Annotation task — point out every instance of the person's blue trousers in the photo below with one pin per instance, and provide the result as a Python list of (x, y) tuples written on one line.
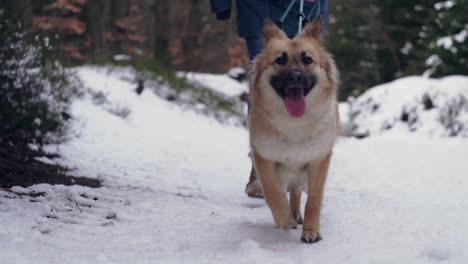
[(255, 44)]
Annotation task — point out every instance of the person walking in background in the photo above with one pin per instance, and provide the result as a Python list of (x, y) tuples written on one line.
[(251, 15)]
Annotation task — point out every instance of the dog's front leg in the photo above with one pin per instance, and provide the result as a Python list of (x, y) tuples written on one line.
[(316, 176), (275, 194)]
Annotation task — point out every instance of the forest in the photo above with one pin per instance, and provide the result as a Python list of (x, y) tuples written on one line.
[(373, 41)]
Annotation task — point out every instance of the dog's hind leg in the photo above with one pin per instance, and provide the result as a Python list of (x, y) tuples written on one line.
[(295, 204), (316, 176), (275, 194), (253, 188)]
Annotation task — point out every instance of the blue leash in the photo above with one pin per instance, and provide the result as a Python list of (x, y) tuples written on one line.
[(303, 19)]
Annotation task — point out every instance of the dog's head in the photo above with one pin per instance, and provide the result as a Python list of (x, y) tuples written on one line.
[(295, 73)]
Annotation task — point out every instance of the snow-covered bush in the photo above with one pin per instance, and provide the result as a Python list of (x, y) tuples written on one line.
[(412, 104), (34, 91), (454, 116)]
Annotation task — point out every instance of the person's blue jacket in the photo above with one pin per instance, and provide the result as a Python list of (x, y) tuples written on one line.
[(252, 13)]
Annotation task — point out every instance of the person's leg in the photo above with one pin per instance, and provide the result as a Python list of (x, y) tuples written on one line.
[(324, 14), (253, 188), (254, 46)]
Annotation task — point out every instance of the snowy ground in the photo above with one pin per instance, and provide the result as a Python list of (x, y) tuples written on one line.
[(173, 193), (219, 82)]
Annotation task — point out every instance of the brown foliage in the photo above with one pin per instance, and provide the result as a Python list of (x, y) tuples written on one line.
[(130, 34), (69, 26), (62, 17), (80, 2), (182, 33), (238, 55), (64, 5), (74, 52), (136, 38)]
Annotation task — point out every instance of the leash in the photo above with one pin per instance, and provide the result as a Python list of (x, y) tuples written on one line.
[(303, 18)]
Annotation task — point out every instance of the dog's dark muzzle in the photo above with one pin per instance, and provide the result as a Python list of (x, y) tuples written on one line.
[(293, 83)]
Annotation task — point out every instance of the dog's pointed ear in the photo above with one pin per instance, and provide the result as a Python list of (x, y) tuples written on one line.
[(313, 30), (271, 31)]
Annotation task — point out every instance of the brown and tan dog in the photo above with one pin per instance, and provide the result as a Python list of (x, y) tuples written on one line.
[(293, 124)]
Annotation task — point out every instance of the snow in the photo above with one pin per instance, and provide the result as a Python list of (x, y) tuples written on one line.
[(461, 36), (433, 62), (219, 82), (444, 5), (122, 57), (380, 109), (173, 185), (236, 72), (447, 41)]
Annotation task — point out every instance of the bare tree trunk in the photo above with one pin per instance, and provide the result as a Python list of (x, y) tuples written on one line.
[(151, 29), (23, 9), (179, 18), (99, 22), (378, 28), (120, 8), (161, 31)]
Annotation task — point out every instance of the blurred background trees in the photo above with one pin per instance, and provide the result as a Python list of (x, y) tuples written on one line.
[(178, 33), (378, 41), (36, 92), (373, 41)]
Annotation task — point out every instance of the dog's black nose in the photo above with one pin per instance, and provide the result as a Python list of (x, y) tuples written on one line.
[(295, 77)]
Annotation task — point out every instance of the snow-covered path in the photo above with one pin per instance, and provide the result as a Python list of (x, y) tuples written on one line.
[(173, 193)]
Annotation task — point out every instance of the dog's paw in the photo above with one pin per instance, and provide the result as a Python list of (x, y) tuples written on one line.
[(298, 218), (254, 190), (310, 236), (285, 221)]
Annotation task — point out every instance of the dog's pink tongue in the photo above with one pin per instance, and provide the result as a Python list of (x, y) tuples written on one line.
[(295, 105)]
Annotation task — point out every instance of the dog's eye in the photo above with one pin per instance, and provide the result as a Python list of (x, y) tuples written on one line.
[(306, 59), (282, 60)]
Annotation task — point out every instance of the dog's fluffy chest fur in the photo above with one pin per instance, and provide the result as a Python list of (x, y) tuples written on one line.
[(296, 143)]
